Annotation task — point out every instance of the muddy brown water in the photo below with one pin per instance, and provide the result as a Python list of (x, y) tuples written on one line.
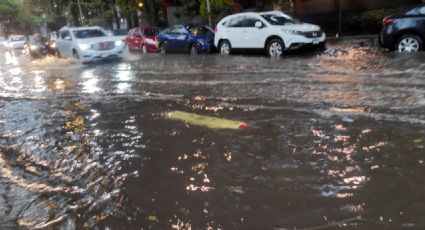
[(335, 139)]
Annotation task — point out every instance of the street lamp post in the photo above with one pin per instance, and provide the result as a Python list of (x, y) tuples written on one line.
[(81, 12), (209, 13)]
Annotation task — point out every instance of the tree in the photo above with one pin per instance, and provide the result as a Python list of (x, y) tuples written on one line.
[(8, 14)]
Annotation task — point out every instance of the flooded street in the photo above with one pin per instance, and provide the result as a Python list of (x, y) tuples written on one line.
[(334, 139)]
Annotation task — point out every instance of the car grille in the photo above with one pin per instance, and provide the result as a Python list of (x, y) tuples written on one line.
[(103, 46), (313, 34)]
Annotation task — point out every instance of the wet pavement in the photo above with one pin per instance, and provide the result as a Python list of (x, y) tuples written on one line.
[(335, 140)]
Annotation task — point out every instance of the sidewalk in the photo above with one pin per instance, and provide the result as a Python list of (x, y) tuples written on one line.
[(363, 40)]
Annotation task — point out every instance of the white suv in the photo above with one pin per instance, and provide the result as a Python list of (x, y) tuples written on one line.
[(273, 31), (88, 44)]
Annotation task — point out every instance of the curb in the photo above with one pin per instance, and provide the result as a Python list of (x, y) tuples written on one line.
[(369, 40)]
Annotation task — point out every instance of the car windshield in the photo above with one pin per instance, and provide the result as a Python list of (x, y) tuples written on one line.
[(151, 32), (34, 39), (16, 39), (89, 33), (279, 20), (119, 32), (198, 30)]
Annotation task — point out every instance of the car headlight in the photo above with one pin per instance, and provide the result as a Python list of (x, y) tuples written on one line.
[(53, 45), (84, 46), (33, 47), (118, 43), (295, 32), (149, 41)]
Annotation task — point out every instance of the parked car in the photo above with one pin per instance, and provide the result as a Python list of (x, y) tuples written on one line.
[(272, 31), (88, 44), (37, 46), (51, 44), (404, 32), (16, 42), (119, 33), (3, 41), (192, 39), (143, 38)]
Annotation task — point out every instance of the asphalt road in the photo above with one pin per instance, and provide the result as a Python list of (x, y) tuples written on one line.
[(334, 138)]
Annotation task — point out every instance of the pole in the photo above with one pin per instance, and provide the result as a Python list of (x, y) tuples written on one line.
[(340, 17), (209, 13), (81, 13)]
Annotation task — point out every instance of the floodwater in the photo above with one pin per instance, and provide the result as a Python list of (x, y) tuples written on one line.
[(334, 140)]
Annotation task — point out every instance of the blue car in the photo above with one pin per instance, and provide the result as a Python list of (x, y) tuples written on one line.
[(192, 39)]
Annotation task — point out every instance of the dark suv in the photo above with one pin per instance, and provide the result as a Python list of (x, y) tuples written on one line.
[(404, 32)]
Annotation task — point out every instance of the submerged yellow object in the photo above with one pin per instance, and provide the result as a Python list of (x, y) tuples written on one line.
[(206, 121)]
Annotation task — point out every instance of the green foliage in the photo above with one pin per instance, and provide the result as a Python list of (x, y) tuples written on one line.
[(8, 10), (190, 7), (368, 21), (27, 21), (218, 7)]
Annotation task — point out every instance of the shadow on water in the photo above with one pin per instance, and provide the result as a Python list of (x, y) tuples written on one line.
[(334, 139)]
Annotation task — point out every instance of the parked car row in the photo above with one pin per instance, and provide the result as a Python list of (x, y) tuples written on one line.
[(404, 32)]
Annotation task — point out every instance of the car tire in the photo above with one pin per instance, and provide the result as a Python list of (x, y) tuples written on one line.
[(75, 54), (225, 48), (144, 49), (409, 43), (193, 50), (275, 48)]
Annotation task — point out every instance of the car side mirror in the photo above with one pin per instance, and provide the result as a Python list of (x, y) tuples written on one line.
[(258, 24), (68, 38)]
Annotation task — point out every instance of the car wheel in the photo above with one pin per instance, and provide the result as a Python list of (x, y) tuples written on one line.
[(409, 43), (75, 54), (225, 47), (194, 50), (275, 48), (144, 49)]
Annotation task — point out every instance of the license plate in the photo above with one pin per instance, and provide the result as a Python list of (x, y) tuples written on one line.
[(104, 55), (315, 42)]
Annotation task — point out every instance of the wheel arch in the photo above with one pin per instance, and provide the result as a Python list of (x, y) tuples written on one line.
[(406, 32), (271, 38)]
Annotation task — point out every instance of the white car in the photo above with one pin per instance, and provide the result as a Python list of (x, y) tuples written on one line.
[(3, 41), (16, 42), (273, 31), (88, 44)]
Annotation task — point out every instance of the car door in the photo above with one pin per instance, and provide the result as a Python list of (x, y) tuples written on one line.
[(181, 39), (253, 37), (234, 32), (64, 43), (421, 21)]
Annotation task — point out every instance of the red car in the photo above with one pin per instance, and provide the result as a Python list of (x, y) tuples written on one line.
[(142, 38)]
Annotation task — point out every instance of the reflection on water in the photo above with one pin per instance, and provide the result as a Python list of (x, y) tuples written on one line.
[(334, 140)]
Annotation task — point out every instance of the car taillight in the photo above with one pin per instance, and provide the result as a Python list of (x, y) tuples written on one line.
[(215, 30), (387, 21)]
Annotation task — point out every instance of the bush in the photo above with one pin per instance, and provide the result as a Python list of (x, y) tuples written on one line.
[(366, 22)]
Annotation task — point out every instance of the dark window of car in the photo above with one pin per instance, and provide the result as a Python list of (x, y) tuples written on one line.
[(422, 10), (278, 20), (198, 29), (415, 11), (150, 32), (64, 34), (16, 39), (226, 23), (120, 32), (178, 30), (89, 33), (137, 32), (250, 22), (236, 22)]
